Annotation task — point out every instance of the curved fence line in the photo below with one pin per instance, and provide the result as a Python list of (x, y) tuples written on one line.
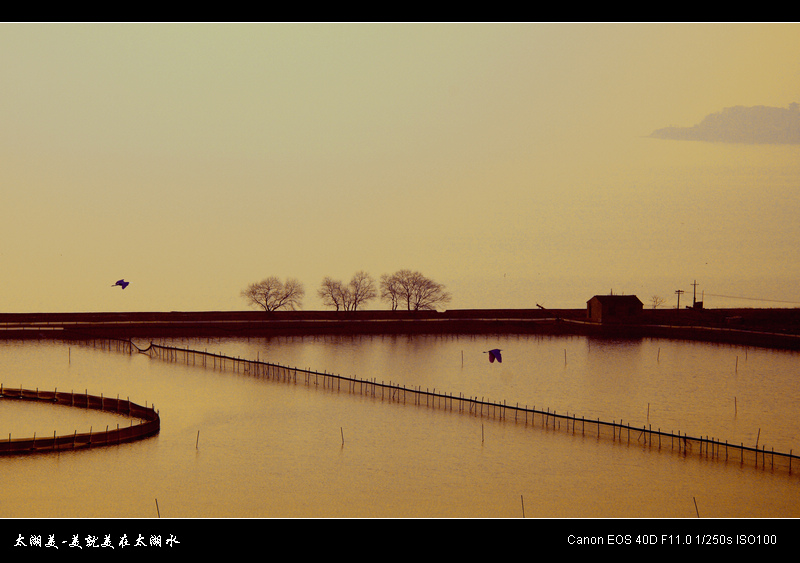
[(149, 422), (646, 436)]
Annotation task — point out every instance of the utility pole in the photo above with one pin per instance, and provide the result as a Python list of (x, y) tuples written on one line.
[(694, 296), (678, 292)]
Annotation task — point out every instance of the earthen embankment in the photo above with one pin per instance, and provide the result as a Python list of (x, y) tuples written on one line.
[(774, 328)]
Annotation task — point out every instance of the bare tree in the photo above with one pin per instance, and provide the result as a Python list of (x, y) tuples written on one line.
[(657, 301), (333, 293), (272, 294), (390, 290), (361, 290), (414, 290), (350, 297)]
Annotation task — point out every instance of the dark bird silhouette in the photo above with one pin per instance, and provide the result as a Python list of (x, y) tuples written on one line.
[(495, 355), (122, 283)]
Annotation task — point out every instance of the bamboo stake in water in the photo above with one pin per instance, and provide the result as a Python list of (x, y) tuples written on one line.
[(198, 440), (341, 429), (695, 507), (157, 510)]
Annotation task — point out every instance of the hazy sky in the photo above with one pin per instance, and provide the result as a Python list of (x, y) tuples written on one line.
[(194, 159)]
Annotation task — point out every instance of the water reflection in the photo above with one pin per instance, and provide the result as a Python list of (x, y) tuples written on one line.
[(693, 387), (235, 446)]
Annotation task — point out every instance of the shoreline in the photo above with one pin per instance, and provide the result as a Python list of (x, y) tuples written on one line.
[(770, 328)]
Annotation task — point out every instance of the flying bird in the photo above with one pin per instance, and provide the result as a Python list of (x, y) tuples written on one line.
[(495, 355), (122, 283)]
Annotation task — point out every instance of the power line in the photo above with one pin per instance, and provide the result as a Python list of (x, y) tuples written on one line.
[(753, 298)]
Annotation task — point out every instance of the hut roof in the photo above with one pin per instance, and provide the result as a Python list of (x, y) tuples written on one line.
[(606, 299)]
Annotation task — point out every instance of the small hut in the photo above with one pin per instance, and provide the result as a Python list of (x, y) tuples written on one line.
[(614, 308)]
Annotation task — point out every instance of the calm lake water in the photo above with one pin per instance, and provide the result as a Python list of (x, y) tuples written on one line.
[(232, 445)]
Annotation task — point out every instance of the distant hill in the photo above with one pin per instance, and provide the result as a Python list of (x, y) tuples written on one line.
[(739, 124)]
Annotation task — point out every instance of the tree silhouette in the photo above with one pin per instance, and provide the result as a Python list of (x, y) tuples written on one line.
[(361, 290), (350, 297), (412, 289), (272, 294), (333, 293)]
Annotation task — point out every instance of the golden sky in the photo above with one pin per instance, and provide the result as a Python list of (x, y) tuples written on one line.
[(508, 161)]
